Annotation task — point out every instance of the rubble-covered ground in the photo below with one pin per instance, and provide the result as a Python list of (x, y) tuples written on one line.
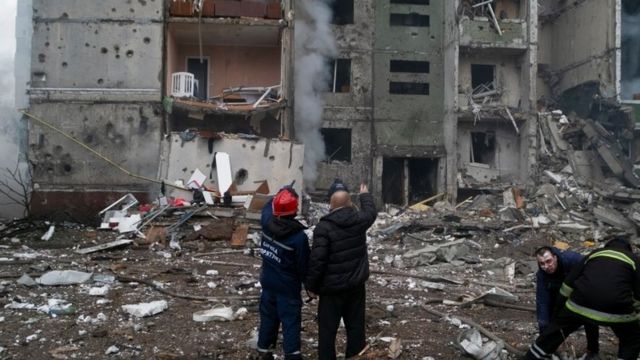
[(435, 270), (433, 259)]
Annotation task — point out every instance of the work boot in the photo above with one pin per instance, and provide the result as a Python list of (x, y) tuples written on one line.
[(261, 356), (296, 356)]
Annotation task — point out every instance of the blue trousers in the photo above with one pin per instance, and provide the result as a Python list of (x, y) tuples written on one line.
[(276, 309)]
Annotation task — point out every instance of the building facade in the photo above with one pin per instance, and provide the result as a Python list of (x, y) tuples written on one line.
[(424, 96)]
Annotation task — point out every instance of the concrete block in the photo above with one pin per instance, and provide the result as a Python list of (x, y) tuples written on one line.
[(279, 166), (586, 166), (613, 217), (481, 172)]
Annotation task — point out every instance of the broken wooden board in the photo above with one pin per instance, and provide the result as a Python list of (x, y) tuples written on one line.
[(223, 170), (239, 237), (109, 245)]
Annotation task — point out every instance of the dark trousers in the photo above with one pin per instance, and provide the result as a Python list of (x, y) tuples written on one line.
[(275, 309), (566, 322), (349, 306), (593, 338)]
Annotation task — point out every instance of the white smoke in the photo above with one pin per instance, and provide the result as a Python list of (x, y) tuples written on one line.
[(9, 117), (314, 46)]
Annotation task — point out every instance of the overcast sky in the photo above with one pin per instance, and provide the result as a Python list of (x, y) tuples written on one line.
[(7, 51), (7, 28)]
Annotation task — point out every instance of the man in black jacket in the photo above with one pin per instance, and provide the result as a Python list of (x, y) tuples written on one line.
[(339, 268), (603, 290)]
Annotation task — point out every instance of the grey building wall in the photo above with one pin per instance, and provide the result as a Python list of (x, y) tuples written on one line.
[(408, 120), (409, 126), (353, 110), (96, 74)]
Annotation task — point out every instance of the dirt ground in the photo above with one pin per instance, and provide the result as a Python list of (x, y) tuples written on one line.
[(394, 303)]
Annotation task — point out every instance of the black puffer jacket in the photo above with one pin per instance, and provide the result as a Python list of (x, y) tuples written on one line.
[(339, 259)]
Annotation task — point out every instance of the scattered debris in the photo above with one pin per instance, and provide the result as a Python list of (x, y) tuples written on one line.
[(64, 277), (471, 341), (47, 236), (107, 246), (221, 313), (146, 309)]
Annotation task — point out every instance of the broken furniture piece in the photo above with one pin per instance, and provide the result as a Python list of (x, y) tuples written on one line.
[(183, 84), (117, 211)]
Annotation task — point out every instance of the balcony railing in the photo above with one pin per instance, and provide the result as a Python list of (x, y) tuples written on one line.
[(482, 33), (226, 8)]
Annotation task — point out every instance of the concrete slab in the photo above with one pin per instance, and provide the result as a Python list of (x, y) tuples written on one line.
[(252, 161), (613, 217), (586, 166)]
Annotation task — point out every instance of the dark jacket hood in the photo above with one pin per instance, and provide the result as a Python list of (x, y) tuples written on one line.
[(282, 227), (343, 217)]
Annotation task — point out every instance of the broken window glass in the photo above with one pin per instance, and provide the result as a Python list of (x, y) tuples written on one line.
[(483, 147), (630, 62), (337, 144), (483, 77), (412, 19), (340, 78), (342, 11), (409, 66), (408, 88)]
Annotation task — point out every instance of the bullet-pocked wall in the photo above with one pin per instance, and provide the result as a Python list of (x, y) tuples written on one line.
[(348, 111), (96, 73)]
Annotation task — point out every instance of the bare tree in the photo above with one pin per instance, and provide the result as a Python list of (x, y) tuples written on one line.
[(16, 186)]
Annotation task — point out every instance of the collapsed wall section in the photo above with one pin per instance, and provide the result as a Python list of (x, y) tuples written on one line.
[(582, 44)]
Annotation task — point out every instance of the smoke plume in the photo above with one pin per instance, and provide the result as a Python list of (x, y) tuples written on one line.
[(314, 46), (10, 164)]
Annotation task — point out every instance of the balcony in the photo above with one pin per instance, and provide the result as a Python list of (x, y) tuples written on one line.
[(226, 8), (481, 33), (224, 75)]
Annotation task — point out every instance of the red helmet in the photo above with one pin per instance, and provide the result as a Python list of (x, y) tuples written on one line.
[(285, 203)]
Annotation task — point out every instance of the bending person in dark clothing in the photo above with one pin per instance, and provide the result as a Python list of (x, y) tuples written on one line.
[(554, 267), (604, 290), (339, 268)]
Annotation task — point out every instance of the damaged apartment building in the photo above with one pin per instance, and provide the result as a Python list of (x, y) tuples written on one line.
[(446, 96), (423, 97), (158, 88)]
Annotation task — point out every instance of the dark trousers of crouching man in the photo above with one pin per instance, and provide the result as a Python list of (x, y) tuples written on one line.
[(604, 290), (568, 322)]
